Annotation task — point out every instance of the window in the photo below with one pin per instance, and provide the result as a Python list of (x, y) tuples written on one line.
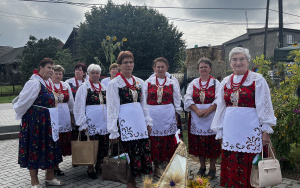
[(290, 39)]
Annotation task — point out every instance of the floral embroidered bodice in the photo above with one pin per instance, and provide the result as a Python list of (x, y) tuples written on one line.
[(126, 96), (73, 89), (209, 95), (167, 97), (45, 98), (92, 97), (246, 96)]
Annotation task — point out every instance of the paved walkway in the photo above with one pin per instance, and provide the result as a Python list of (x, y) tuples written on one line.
[(12, 176), (7, 115)]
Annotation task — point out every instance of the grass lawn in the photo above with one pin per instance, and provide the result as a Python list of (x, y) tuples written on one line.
[(7, 99), (8, 90)]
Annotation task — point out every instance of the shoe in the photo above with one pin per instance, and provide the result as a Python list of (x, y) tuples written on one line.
[(201, 172), (59, 172), (211, 174), (92, 175), (99, 170), (36, 186), (53, 182)]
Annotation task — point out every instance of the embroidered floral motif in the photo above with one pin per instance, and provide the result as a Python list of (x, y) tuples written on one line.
[(209, 95), (92, 97), (167, 97), (126, 95), (246, 96), (73, 89)]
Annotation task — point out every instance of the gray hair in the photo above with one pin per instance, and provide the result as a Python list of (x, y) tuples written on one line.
[(93, 67), (240, 50)]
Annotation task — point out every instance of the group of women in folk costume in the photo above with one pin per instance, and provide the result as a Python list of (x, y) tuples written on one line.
[(236, 114)]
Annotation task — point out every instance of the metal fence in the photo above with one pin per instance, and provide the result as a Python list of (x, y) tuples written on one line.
[(11, 84)]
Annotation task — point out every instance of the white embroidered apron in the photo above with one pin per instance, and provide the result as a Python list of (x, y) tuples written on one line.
[(64, 118), (96, 119), (54, 123), (241, 130), (132, 122), (201, 125), (164, 119)]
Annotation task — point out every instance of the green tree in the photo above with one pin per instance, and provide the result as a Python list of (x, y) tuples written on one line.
[(35, 50), (64, 58), (148, 32)]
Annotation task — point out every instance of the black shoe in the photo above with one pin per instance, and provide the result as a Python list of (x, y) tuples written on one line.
[(201, 172), (92, 175), (59, 172), (99, 170), (211, 174)]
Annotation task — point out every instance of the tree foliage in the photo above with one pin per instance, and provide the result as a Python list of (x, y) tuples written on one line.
[(148, 32), (35, 50)]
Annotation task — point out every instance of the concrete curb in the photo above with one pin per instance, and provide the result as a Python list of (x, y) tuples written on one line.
[(9, 132)]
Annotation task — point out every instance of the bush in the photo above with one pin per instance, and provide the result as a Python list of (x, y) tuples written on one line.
[(283, 85)]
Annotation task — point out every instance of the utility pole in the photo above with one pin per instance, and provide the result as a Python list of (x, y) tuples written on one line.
[(266, 29), (280, 24)]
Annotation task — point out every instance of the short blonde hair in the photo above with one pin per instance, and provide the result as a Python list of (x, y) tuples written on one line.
[(114, 65), (59, 68)]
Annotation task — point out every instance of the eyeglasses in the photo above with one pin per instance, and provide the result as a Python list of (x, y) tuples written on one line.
[(238, 59), (127, 62)]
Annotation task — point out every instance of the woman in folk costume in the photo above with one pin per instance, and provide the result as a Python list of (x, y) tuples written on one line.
[(163, 99), (200, 100), (126, 105), (79, 78), (243, 120), (63, 93), (90, 114), (38, 146), (113, 70)]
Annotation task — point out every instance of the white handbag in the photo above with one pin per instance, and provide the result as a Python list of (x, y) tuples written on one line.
[(267, 173)]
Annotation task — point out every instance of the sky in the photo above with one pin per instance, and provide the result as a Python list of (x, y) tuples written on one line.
[(203, 22)]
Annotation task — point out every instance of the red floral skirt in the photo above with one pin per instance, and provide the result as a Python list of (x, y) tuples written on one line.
[(139, 155), (162, 148), (65, 143), (236, 169), (204, 146)]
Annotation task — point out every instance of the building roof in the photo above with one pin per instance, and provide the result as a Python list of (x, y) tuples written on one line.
[(255, 31), (11, 56), (4, 50), (71, 37)]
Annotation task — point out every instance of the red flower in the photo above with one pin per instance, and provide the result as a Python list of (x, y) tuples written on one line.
[(51, 157), (35, 71), (21, 150), (34, 156), (138, 163), (50, 101)]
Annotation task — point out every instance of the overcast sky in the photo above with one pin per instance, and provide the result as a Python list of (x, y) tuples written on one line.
[(19, 19)]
